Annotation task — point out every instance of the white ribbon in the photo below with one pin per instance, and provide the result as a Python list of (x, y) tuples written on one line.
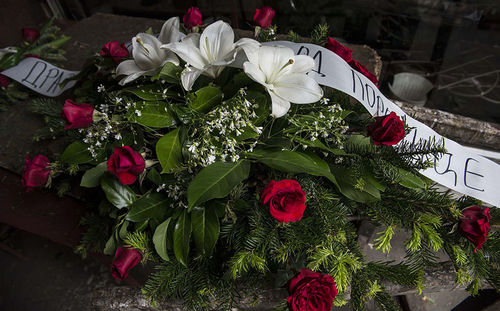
[(40, 76), (459, 169)]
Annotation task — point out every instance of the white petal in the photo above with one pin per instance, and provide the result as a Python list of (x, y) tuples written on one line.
[(170, 31), (187, 50), (189, 76), (303, 64), (280, 106), (131, 77), (127, 67), (216, 41), (171, 57), (254, 73), (147, 55), (298, 88), (272, 59), (251, 49)]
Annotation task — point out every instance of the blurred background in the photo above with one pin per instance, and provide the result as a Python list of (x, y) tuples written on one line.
[(444, 54)]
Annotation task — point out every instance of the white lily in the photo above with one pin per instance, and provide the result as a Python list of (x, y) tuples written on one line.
[(147, 55), (207, 53), (283, 74)]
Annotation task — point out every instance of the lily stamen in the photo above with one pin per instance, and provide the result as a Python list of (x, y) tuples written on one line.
[(138, 40)]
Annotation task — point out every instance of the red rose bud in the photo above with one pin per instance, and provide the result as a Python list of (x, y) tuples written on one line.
[(337, 48), (264, 17), (311, 291), (475, 225), (387, 130), (31, 55), (192, 18), (36, 171), (30, 35), (125, 259), (77, 115), (286, 200), (359, 67), (4, 80), (115, 50), (126, 164)]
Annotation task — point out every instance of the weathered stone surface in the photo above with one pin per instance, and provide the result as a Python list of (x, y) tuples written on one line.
[(462, 129)]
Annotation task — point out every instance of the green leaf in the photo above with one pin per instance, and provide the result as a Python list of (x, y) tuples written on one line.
[(294, 162), (318, 144), (119, 195), (205, 98), (152, 92), (410, 180), (153, 205), (205, 229), (123, 230), (76, 153), (153, 114), (92, 177), (168, 150), (216, 181), (110, 247), (182, 236), (347, 183), (154, 176), (160, 239), (170, 73)]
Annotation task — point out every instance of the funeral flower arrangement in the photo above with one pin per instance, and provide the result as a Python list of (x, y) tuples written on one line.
[(45, 44), (222, 163)]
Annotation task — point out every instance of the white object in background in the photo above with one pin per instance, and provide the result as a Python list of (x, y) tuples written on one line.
[(411, 87)]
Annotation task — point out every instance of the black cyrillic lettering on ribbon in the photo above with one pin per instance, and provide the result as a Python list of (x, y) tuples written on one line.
[(33, 83), (447, 170), (466, 171)]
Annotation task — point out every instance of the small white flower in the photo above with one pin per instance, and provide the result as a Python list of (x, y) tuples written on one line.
[(325, 100), (118, 136), (283, 74), (138, 113), (100, 88)]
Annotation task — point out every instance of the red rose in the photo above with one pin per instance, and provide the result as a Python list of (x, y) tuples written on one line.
[(36, 172), (192, 18), (286, 200), (115, 50), (126, 164), (31, 55), (359, 67), (337, 48), (311, 291), (264, 17), (77, 115), (4, 80), (387, 130), (125, 259), (30, 35), (475, 225)]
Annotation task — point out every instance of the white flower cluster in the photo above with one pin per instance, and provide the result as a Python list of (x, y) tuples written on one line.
[(325, 123), (175, 192), (221, 130)]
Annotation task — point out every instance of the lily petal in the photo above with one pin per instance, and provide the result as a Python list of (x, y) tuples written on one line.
[(127, 67), (272, 60), (280, 106), (216, 41), (303, 64), (146, 51), (250, 48), (189, 76), (188, 51), (254, 73), (170, 30), (298, 88)]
